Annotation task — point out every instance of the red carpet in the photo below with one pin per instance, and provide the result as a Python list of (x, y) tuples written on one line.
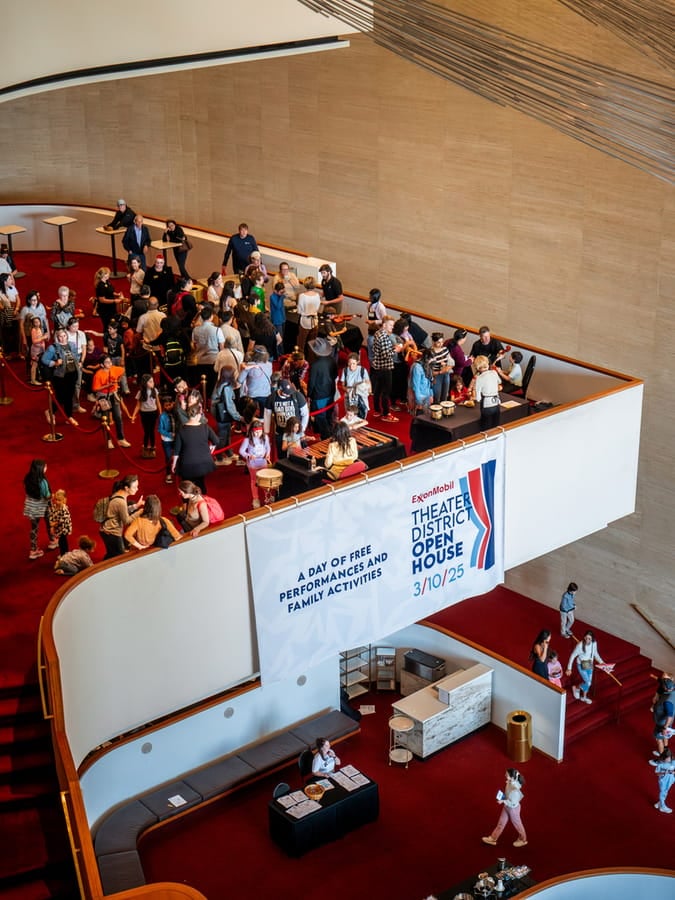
[(593, 810)]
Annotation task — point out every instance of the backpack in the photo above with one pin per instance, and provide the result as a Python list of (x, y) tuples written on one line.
[(173, 353), (101, 509), (215, 510), (164, 537)]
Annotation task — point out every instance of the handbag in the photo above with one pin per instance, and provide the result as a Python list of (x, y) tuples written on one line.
[(586, 664), (186, 245), (164, 537)]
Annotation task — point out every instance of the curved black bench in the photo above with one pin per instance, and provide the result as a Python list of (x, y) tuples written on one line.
[(116, 839)]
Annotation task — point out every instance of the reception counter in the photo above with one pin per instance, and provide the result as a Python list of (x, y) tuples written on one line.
[(438, 723)]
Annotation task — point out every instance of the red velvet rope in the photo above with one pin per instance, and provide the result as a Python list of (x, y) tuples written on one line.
[(27, 387)]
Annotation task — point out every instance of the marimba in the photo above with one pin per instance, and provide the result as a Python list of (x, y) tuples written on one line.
[(366, 438)]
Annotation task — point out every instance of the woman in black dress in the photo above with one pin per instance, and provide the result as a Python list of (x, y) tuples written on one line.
[(192, 457), (539, 654)]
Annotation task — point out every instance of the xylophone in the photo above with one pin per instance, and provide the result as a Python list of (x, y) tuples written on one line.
[(365, 438)]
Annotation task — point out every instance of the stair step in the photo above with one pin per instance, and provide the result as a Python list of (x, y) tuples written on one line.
[(20, 765), (24, 734), (54, 882), (29, 793), (20, 705), (33, 839)]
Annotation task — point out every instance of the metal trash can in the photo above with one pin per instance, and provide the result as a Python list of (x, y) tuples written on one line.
[(519, 735)]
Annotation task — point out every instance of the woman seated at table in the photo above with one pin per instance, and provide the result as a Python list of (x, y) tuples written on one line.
[(325, 760), (342, 451)]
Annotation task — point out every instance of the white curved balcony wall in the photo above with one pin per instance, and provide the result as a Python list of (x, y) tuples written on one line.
[(161, 756)]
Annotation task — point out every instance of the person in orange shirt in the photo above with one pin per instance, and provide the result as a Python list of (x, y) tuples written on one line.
[(106, 385)]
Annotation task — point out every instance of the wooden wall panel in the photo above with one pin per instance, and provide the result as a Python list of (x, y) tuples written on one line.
[(448, 203)]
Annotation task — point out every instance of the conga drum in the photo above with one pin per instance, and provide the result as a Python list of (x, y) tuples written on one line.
[(269, 481)]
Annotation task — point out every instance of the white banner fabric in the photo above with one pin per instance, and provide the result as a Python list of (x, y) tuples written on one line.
[(349, 568)]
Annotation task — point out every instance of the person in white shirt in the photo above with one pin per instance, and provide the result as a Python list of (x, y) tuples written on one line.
[(510, 798), (78, 343), (325, 761), (309, 304), (512, 376), (486, 392), (585, 653)]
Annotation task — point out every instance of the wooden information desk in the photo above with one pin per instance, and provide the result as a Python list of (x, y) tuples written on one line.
[(427, 433), (439, 723)]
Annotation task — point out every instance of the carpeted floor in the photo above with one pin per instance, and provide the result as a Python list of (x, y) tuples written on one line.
[(595, 809)]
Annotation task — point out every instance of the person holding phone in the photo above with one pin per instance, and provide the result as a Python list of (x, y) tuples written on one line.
[(510, 799)]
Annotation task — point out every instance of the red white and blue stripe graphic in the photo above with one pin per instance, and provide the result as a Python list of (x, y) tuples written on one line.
[(480, 485)]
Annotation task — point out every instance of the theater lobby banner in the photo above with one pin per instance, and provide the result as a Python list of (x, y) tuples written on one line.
[(371, 560)]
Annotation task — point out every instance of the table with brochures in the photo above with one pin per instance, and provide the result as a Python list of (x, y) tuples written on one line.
[(298, 824)]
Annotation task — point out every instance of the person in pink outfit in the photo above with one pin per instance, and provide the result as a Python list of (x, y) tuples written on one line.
[(255, 450), (510, 798)]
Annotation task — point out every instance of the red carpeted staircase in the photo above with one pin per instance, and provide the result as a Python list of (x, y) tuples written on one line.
[(610, 700), (506, 623), (35, 862)]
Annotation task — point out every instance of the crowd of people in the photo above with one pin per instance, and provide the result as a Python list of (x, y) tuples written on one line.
[(180, 352), (183, 354)]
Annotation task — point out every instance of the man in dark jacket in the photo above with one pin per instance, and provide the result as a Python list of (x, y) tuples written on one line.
[(239, 247), (136, 241)]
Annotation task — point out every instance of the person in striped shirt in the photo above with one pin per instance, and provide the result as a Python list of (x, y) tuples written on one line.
[(441, 367)]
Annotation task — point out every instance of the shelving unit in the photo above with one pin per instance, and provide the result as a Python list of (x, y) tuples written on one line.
[(385, 668), (355, 671)]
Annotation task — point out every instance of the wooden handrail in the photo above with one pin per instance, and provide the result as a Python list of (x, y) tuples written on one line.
[(656, 628), (41, 669), (74, 850)]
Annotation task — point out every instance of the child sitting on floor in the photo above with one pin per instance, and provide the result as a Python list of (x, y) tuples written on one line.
[(75, 560)]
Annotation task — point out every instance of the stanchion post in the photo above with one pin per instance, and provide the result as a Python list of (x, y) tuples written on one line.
[(4, 399), (108, 472), (53, 435), (203, 381)]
